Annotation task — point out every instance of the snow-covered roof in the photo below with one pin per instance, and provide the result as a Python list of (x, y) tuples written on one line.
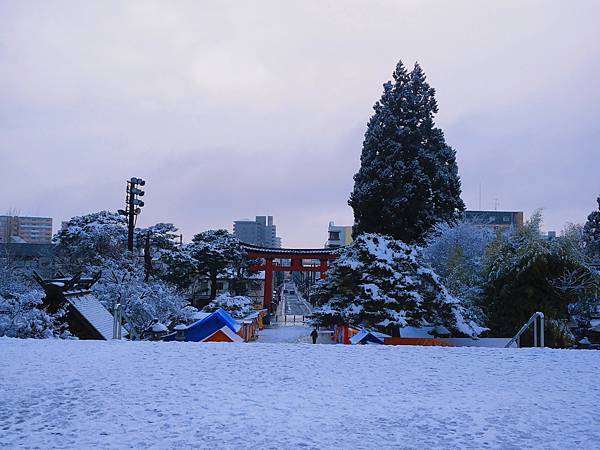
[(199, 315), (158, 327), (440, 330), (313, 251), (94, 312)]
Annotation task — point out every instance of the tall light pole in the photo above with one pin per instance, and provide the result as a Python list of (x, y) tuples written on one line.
[(133, 208)]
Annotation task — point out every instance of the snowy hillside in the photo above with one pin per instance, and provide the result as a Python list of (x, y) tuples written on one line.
[(72, 394)]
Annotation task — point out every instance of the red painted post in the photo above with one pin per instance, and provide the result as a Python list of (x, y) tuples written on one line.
[(345, 333), (323, 269), (268, 294)]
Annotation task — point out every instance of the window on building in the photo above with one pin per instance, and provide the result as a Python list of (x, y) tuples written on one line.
[(334, 235)]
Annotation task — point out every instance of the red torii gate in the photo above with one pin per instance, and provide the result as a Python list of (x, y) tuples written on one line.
[(296, 255)]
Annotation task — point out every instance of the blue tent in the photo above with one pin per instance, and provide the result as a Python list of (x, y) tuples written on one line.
[(203, 328)]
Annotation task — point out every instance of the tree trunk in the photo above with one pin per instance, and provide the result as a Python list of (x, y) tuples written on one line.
[(213, 286)]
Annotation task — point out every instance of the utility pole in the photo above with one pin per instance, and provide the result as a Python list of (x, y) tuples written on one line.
[(133, 207)]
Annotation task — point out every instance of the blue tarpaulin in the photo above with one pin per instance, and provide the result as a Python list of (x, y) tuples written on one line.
[(203, 328)]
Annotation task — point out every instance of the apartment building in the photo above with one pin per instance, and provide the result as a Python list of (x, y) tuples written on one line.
[(25, 230), (339, 235), (495, 219)]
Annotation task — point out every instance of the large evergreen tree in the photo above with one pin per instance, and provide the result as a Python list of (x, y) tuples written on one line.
[(408, 179), (591, 233)]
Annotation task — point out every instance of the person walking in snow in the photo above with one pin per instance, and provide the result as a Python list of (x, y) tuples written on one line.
[(314, 335)]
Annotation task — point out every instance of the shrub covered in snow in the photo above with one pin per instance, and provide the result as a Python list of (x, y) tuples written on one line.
[(22, 316), (21, 312), (238, 306), (380, 283)]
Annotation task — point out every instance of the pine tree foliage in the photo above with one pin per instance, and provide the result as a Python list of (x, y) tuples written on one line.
[(380, 283), (89, 240), (408, 178), (211, 254), (591, 231), (163, 237)]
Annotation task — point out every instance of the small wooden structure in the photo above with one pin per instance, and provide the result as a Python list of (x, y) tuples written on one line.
[(85, 316)]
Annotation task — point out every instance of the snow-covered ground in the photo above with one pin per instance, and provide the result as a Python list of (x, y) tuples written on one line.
[(85, 394)]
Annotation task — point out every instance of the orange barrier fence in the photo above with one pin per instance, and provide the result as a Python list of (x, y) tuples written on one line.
[(426, 342)]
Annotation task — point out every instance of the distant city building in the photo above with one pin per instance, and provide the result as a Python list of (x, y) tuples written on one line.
[(548, 235), (339, 235), (25, 230), (261, 231), (495, 219)]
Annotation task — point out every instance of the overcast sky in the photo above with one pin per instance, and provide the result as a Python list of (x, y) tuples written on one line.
[(233, 109)]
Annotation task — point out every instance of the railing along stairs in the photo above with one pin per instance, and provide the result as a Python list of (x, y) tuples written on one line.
[(118, 317), (533, 320)]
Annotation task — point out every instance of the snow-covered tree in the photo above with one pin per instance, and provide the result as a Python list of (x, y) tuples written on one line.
[(91, 240), (378, 282), (408, 178), (238, 306), (142, 301), (574, 239), (455, 253), (88, 241), (211, 254), (591, 232), (163, 237), (465, 238), (98, 242)]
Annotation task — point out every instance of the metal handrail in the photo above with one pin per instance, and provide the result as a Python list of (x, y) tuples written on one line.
[(117, 317), (532, 320)]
